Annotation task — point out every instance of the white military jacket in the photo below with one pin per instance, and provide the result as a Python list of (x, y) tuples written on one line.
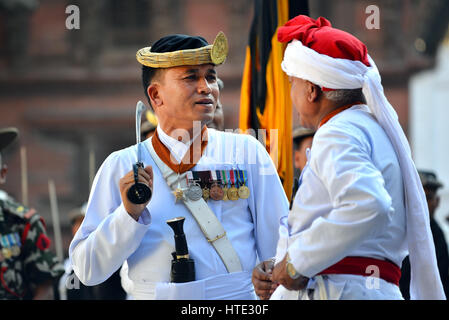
[(108, 235), (350, 201)]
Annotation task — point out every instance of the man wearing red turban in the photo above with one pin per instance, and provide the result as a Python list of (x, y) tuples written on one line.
[(360, 208)]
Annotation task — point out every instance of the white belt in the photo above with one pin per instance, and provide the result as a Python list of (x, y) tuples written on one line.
[(204, 216), (231, 286)]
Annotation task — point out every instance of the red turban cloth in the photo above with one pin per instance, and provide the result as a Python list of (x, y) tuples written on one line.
[(320, 36)]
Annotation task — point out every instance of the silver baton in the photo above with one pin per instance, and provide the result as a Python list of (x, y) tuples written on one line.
[(140, 108)]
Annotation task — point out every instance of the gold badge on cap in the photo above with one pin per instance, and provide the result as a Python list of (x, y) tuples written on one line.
[(219, 49)]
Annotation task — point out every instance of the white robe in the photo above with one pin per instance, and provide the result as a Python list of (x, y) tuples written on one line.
[(350, 203), (108, 235)]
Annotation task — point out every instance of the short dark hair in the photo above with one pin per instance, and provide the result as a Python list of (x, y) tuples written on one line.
[(148, 74), (345, 96)]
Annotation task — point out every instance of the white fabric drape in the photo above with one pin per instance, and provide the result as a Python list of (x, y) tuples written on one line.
[(334, 73)]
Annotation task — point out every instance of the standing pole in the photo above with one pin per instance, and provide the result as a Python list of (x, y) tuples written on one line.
[(91, 166), (55, 217), (24, 172)]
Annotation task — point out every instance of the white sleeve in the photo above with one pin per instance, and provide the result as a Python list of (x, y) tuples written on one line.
[(268, 203), (108, 234), (361, 206)]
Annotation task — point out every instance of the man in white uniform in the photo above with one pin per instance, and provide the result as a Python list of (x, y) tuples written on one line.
[(238, 180), (360, 207)]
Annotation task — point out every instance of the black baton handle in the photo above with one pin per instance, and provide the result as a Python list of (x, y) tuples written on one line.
[(139, 192)]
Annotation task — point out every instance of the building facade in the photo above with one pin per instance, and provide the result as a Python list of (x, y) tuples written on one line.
[(72, 92)]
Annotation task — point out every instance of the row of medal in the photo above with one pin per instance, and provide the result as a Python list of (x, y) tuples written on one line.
[(10, 245), (215, 184)]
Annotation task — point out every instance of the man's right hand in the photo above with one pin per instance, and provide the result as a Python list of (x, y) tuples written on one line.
[(261, 277), (145, 176)]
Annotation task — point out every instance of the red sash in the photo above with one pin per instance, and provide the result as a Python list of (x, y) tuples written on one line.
[(363, 266)]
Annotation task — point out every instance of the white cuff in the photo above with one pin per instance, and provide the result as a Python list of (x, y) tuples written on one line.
[(144, 219)]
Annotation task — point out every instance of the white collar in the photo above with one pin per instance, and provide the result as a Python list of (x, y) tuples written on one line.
[(177, 148)]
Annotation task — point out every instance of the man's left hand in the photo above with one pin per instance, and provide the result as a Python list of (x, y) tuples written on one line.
[(281, 276)]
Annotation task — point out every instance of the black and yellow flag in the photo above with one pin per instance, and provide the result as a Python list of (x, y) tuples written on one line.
[(265, 93)]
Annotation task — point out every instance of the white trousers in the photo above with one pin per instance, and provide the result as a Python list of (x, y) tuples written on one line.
[(231, 286), (342, 287)]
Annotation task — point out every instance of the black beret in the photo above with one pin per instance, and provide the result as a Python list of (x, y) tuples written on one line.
[(429, 179), (7, 136), (177, 42)]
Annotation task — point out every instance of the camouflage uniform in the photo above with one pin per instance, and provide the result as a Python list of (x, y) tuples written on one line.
[(25, 259)]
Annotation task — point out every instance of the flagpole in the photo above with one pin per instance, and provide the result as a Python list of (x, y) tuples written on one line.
[(24, 173), (55, 217)]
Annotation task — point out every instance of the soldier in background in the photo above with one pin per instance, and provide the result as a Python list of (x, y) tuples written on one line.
[(218, 120), (302, 140), (71, 288), (431, 185), (28, 268), (148, 125)]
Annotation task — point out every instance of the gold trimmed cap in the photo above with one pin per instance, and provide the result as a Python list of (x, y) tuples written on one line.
[(182, 50)]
